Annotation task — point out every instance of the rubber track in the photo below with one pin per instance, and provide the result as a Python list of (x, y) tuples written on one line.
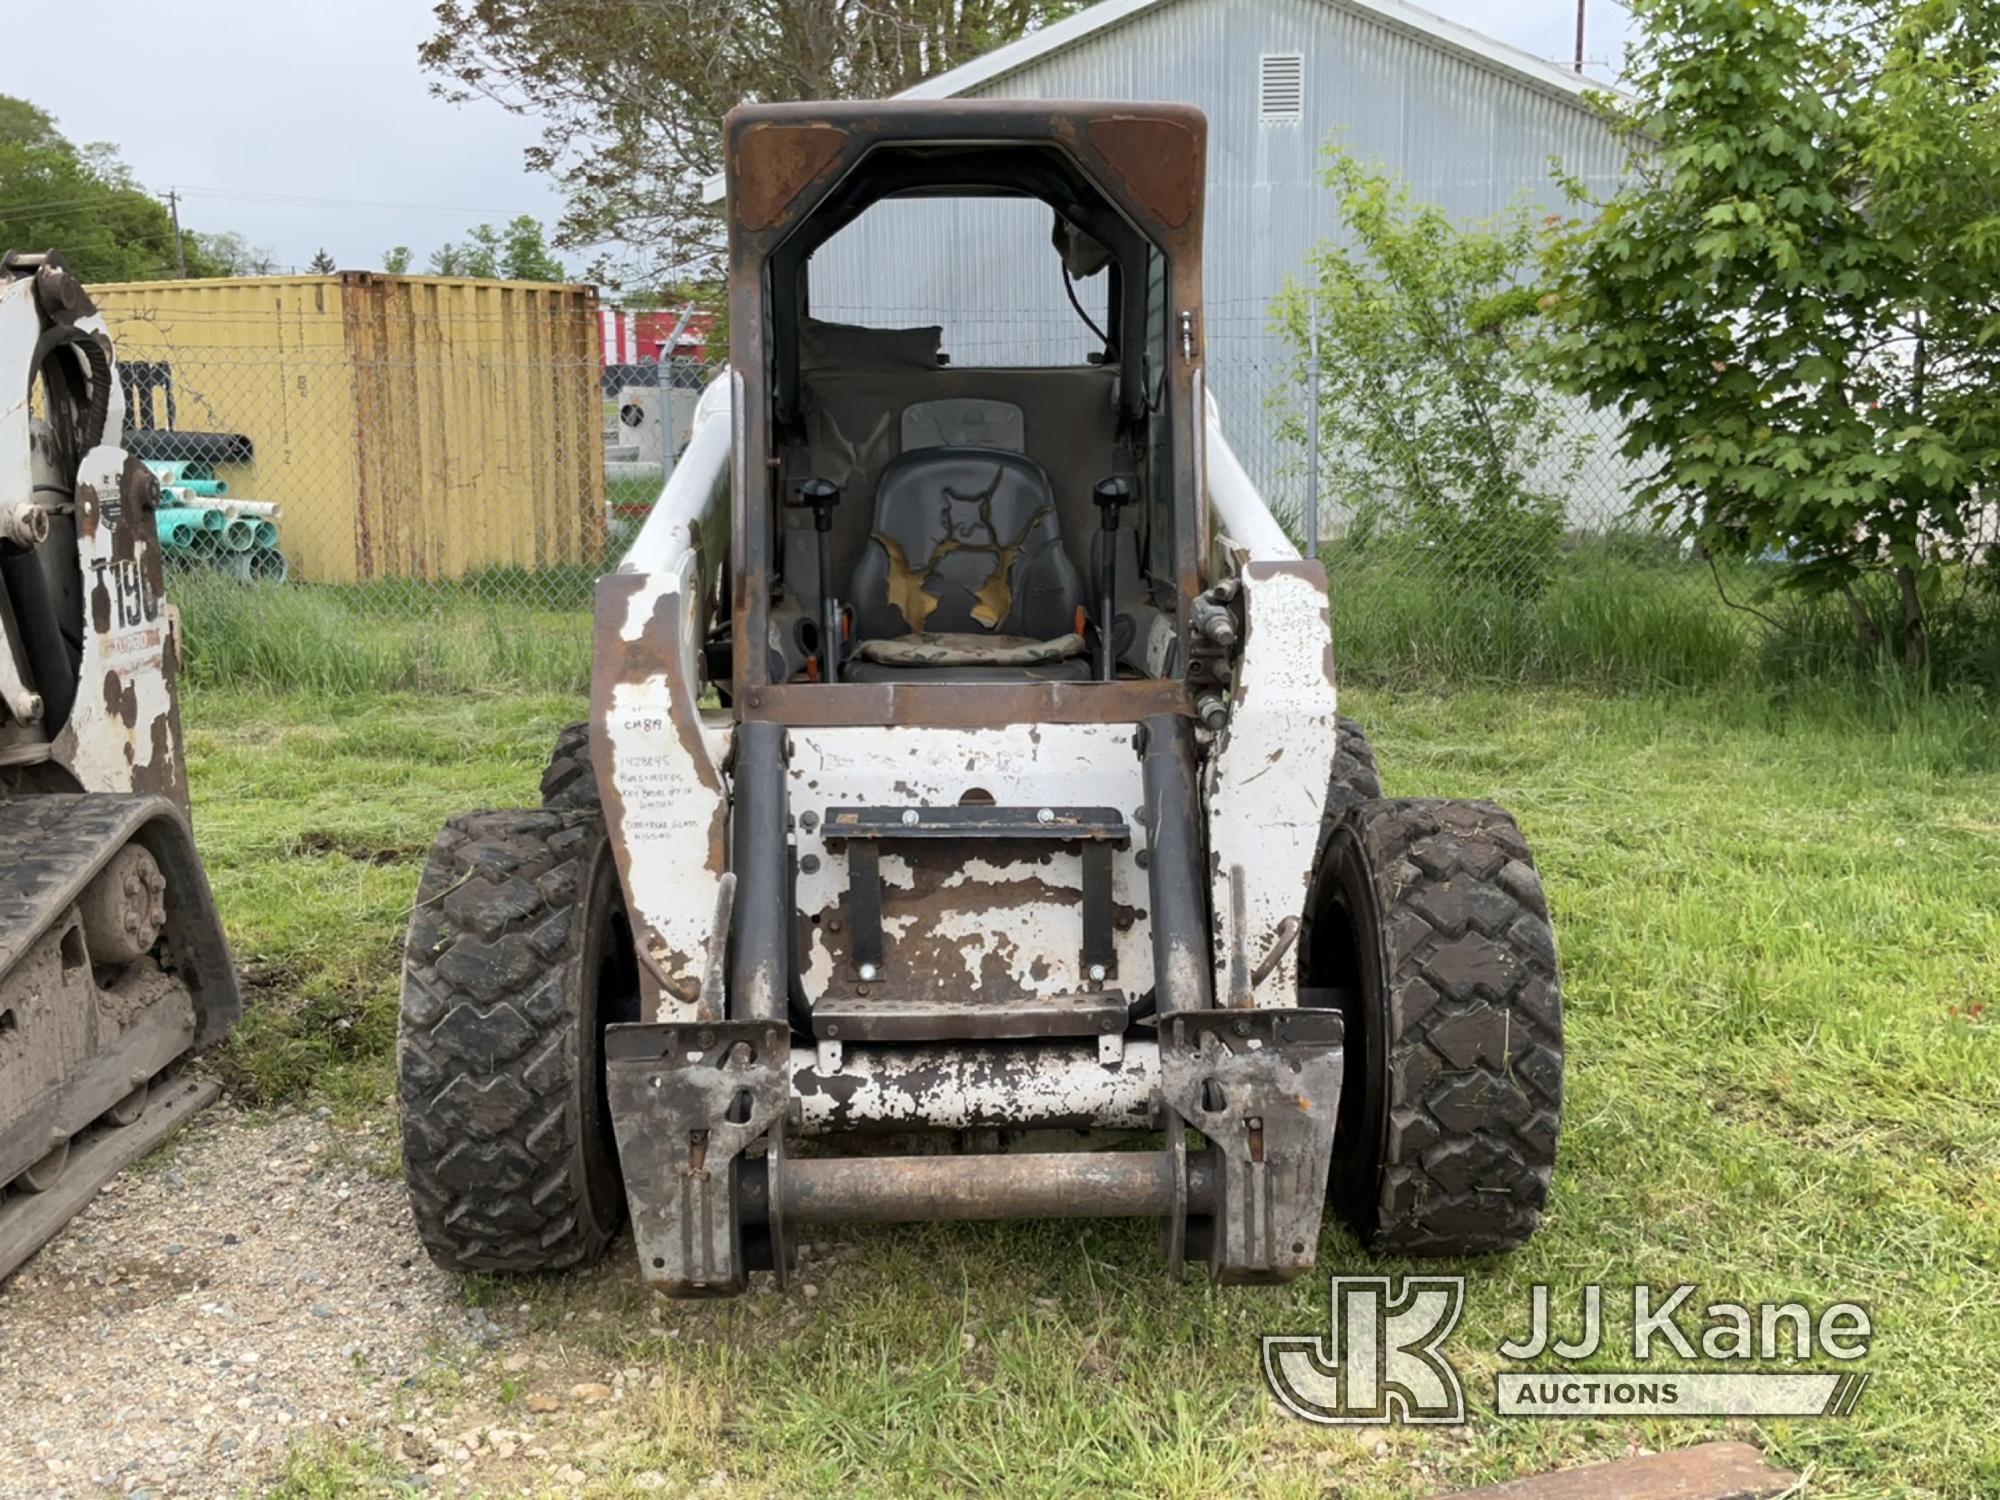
[(569, 781), (49, 846), (1474, 1027), (487, 1051)]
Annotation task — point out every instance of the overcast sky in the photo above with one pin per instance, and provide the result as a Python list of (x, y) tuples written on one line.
[(307, 123)]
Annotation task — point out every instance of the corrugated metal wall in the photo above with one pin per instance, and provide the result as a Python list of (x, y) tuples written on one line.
[(410, 427), (1466, 136)]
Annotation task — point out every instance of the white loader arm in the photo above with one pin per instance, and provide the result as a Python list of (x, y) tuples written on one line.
[(1239, 509)]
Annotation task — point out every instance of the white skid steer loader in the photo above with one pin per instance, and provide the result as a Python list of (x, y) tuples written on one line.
[(1026, 825)]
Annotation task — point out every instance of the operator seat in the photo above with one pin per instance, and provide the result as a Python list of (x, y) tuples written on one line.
[(964, 577)]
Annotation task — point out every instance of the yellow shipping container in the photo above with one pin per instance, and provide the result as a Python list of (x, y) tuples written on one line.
[(410, 426)]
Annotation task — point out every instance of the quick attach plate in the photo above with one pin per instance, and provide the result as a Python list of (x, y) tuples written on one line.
[(1263, 1087), (687, 1100)]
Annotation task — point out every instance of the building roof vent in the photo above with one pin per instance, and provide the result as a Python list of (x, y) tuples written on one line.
[(1281, 88)]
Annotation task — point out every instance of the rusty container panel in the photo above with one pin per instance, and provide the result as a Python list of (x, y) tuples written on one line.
[(478, 425), (411, 427)]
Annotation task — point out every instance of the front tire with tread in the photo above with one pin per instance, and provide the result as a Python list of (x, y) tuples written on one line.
[(1429, 922), (1354, 777), (516, 958)]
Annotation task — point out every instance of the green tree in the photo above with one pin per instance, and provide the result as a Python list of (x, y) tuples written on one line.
[(519, 252), (233, 255), (322, 264), (82, 201), (396, 260), (1436, 416), (631, 94), (527, 256), (478, 255), (1793, 302)]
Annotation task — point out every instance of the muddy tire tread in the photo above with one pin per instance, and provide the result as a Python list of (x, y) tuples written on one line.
[(569, 782), (487, 1048), (1474, 1038)]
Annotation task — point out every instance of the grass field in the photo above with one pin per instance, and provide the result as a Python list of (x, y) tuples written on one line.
[(1780, 922)]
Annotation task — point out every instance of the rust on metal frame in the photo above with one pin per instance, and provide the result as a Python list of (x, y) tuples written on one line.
[(965, 705), (618, 660), (782, 160), (774, 162), (1159, 159)]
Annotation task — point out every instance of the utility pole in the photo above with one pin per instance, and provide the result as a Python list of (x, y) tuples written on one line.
[(1580, 4), (180, 252)]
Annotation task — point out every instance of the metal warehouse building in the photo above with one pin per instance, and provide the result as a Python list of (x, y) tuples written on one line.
[(1473, 125)]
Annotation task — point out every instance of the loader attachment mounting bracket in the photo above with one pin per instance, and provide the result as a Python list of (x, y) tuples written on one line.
[(1263, 1088), (688, 1099)]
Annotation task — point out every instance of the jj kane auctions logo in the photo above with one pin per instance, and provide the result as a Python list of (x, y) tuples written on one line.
[(1382, 1359)]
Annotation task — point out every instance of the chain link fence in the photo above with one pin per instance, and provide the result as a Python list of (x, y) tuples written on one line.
[(423, 478), (1576, 586), (435, 478)]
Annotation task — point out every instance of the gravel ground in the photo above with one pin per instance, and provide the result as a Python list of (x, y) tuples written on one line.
[(251, 1281)]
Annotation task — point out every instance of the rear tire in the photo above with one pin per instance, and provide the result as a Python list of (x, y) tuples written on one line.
[(1428, 924), (570, 782), (518, 956)]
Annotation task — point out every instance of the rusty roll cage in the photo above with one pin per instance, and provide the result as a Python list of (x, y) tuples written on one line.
[(1131, 175)]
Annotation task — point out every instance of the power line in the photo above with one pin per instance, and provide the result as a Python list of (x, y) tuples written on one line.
[(299, 200), (53, 205)]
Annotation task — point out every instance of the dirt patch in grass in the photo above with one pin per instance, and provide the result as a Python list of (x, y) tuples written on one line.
[(358, 850)]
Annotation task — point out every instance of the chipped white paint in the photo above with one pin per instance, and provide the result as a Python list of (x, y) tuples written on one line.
[(639, 611), (1267, 779), (1038, 939), (99, 747), (20, 327), (661, 781), (671, 815), (951, 1087), (124, 730), (661, 784)]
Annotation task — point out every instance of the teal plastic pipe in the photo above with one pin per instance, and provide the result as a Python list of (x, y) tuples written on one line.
[(195, 517), (177, 470), (213, 489), (267, 532)]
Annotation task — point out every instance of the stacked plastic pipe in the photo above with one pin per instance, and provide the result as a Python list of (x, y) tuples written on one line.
[(202, 525)]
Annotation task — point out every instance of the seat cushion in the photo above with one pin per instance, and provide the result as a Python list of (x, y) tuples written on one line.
[(1074, 669), (949, 649)]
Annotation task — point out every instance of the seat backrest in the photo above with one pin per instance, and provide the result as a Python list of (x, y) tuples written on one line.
[(965, 539), (856, 422)]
